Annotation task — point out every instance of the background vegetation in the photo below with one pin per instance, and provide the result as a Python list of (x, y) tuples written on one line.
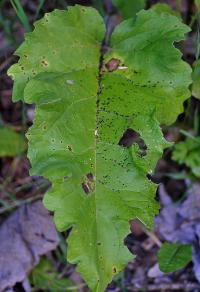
[(178, 173)]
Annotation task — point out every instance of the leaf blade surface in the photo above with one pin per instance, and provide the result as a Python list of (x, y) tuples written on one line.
[(98, 184)]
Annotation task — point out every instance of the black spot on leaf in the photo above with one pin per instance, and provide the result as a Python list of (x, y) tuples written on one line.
[(85, 187), (90, 177), (112, 65), (69, 148)]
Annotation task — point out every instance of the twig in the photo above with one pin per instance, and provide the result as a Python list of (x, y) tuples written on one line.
[(169, 287), (153, 236)]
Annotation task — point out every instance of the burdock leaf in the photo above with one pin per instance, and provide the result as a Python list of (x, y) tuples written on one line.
[(96, 135)]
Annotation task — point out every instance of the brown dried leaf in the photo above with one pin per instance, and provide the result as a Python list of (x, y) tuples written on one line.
[(25, 235)]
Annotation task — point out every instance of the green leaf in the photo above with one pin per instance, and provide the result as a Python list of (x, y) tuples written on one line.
[(44, 277), (98, 184), (174, 256), (73, 54), (197, 2), (11, 143), (153, 64), (98, 4), (196, 87), (129, 8), (188, 152), (165, 8), (196, 80)]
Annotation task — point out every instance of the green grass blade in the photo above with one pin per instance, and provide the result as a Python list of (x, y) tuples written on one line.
[(21, 14), (40, 5)]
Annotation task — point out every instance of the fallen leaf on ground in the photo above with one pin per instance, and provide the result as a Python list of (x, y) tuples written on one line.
[(25, 235), (180, 222)]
